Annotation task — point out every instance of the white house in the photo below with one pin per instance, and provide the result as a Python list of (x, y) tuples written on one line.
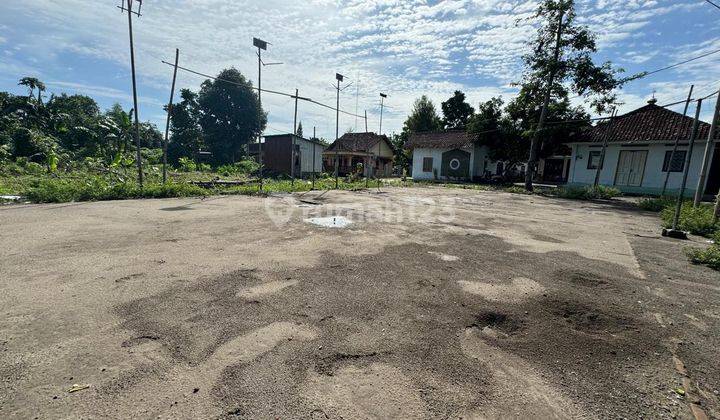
[(450, 155), (638, 155)]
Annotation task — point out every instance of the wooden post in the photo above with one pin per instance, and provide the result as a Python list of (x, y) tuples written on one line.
[(677, 141), (169, 115), (366, 129), (706, 157), (604, 148)]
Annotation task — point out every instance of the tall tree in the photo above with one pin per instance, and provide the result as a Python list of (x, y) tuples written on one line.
[(186, 134), (456, 112), (500, 133), (299, 129), (33, 83), (230, 115), (560, 62), (423, 117)]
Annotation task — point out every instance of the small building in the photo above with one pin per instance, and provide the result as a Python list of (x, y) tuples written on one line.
[(638, 154), (373, 152), (277, 154), (450, 155)]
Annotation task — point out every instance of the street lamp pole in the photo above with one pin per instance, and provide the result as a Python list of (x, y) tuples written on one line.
[(339, 77), (261, 45), (382, 103)]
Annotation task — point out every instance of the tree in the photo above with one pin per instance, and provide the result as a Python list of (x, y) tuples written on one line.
[(33, 83), (186, 134), (229, 115), (500, 133), (75, 121), (299, 129), (567, 62), (423, 117), (456, 112)]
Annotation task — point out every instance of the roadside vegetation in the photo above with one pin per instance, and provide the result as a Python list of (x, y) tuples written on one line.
[(696, 220)]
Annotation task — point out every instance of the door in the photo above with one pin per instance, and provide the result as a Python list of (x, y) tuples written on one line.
[(631, 168), (455, 164)]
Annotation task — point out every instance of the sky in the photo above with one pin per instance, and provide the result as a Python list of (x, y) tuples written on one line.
[(402, 48)]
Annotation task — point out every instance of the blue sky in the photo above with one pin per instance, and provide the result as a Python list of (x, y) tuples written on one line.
[(403, 48)]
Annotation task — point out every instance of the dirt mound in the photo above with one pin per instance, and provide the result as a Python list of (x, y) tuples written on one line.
[(584, 278)]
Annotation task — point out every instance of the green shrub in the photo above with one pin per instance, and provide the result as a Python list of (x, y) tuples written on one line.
[(187, 165), (244, 167), (587, 193), (696, 220), (516, 190), (709, 256), (656, 204)]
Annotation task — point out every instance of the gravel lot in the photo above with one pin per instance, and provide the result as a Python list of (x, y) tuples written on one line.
[(431, 303)]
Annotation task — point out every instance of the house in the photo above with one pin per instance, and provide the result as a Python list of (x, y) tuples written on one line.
[(277, 154), (450, 155), (373, 151), (638, 155)]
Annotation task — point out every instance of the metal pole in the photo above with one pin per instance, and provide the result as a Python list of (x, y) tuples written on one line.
[(366, 129), (604, 148), (706, 157), (135, 100), (678, 205), (677, 141), (382, 102), (169, 115), (260, 160), (292, 143), (313, 160), (337, 133)]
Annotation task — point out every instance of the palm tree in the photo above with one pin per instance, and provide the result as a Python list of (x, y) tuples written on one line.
[(33, 83)]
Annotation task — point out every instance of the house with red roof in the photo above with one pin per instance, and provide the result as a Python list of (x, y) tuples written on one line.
[(639, 153)]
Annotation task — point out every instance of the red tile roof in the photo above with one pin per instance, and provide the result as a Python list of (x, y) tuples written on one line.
[(357, 142), (451, 139), (649, 123)]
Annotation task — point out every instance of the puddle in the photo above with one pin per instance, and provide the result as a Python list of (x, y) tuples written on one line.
[(331, 222)]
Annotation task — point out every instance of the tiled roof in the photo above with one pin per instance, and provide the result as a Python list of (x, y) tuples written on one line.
[(649, 123), (454, 139), (356, 142)]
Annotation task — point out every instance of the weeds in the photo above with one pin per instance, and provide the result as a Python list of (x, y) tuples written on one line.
[(586, 193), (696, 220), (656, 204)]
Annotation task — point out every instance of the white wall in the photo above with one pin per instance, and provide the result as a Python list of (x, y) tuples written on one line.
[(478, 158), (306, 158), (653, 178)]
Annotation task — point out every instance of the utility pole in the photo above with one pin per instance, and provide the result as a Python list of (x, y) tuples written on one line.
[(382, 103), (366, 130), (604, 148), (674, 232), (292, 143), (532, 160), (313, 159), (129, 9), (169, 115), (677, 141), (706, 157), (339, 77)]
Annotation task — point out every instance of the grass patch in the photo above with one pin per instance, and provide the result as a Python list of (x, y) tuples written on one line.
[(709, 256), (656, 204), (696, 220), (585, 193)]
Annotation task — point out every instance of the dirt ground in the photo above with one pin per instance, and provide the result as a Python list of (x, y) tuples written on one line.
[(431, 303)]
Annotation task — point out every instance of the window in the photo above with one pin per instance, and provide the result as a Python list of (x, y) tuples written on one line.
[(455, 164), (427, 164), (678, 161), (594, 160)]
